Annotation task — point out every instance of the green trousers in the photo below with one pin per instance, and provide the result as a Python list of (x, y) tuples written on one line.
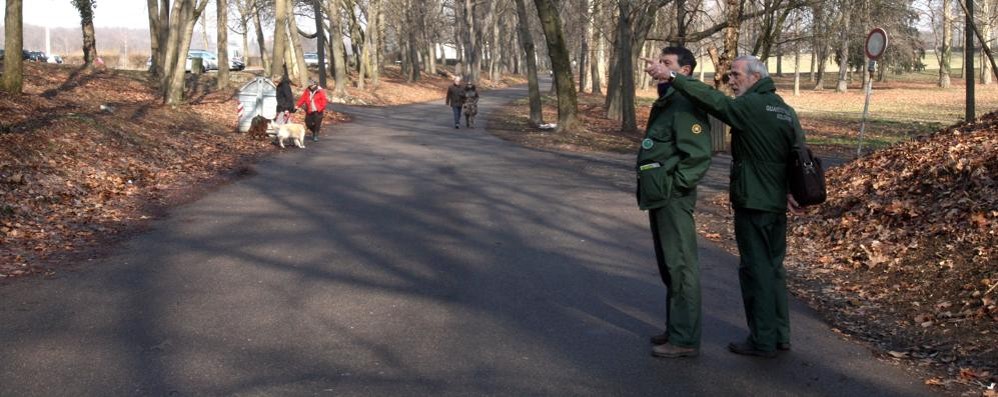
[(762, 245), (675, 236)]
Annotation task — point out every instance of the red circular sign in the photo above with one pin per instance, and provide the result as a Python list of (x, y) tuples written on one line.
[(876, 43)]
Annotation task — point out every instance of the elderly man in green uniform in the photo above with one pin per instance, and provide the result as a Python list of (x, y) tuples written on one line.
[(763, 131), (674, 155)]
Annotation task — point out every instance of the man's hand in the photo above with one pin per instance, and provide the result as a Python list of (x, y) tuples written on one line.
[(657, 70), (792, 205)]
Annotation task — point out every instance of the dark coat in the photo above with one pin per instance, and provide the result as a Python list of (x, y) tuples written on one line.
[(678, 140), (455, 95), (285, 98), (763, 130)]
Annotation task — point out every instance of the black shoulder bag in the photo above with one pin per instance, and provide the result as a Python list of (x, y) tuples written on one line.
[(805, 175)]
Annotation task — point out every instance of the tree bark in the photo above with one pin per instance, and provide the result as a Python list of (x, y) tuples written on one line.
[(223, 43), (843, 83), (533, 89), (469, 36), (730, 52), (265, 60), (597, 63), (560, 64), (297, 53), (13, 65), (86, 10), (946, 50), (155, 68), (185, 19), (339, 57), (278, 65), (320, 41), (984, 28)]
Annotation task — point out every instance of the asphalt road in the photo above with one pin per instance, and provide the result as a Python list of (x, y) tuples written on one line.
[(400, 256)]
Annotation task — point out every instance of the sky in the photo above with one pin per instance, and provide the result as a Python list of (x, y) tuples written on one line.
[(61, 13)]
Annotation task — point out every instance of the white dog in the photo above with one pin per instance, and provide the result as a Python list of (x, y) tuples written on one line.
[(290, 130)]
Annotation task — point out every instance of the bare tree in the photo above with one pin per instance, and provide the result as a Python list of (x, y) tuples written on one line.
[(338, 61), (223, 43), (278, 63), (174, 29), (843, 83), (13, 65), (533, 90), (560, 64), (86, 10)]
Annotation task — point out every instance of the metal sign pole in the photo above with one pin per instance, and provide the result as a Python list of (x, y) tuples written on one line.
[(876, 44), (866, 109)]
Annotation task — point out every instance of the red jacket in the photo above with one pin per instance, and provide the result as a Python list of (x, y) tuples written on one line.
[(306, 99)]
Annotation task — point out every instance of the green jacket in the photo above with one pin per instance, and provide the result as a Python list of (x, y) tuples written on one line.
[(678, 142), (762, 135)]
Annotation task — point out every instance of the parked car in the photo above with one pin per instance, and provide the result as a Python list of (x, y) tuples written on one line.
[(54, 59), (312, 59), (209, 60), (36, 56), (236, 64)]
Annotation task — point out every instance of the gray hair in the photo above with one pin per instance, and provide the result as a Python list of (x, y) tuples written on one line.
[(754, 65)]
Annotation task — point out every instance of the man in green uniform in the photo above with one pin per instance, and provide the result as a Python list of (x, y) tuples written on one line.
[(763, 131), (674, 155)]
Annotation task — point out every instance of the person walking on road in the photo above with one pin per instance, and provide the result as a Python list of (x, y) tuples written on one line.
[(314, 102), (674, 156), (285, 100), (455, 99), (763, 132)]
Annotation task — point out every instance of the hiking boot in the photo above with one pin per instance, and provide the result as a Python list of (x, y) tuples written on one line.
[(669, 350), (783, 346), (746, 348), (660, 339), (456, 126)]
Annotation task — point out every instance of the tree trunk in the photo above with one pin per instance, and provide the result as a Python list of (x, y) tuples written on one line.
[(13, 65), (822, 60), (320, 41), (797, 70), (734, 14), (468, 35), (843, 84), (584, 46), (375, 33), (339, 61), (596, 64), (278, 65), (223, 43), (86, 9), (533, 89), (560, 64), (155, 68), (620, 92), (297, 52), (245, 53), (185, 20), (984, 26), (495, 60), (265, 61), (946, 51)]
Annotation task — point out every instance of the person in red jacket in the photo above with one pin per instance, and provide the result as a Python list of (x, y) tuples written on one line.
[(313, 100)]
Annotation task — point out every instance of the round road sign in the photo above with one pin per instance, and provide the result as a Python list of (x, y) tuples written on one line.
[(876, 43)]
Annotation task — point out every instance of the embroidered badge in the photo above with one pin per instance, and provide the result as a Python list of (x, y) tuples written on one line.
[(697, 129), (647, 144)]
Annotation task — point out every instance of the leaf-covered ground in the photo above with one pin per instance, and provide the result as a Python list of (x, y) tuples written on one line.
[(905, 250)]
